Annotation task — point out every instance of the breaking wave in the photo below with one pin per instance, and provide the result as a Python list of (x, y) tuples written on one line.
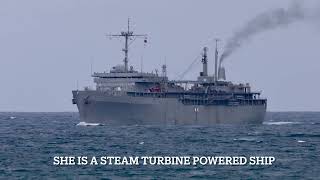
[(88, 124), (280, 123), (249, 139)]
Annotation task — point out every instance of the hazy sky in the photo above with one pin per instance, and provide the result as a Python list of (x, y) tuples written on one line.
[(46, 46)]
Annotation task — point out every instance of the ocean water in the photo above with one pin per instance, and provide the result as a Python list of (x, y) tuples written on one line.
[(29, 141)]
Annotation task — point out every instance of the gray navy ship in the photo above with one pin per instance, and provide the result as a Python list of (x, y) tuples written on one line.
[(124, 96)]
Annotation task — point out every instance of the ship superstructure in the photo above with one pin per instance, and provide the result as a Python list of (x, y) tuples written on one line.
[(124, 96)]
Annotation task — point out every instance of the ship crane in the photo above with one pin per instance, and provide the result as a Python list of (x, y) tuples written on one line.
[(127, 35)]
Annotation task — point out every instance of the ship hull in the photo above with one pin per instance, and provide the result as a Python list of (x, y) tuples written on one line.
[(127, 110)]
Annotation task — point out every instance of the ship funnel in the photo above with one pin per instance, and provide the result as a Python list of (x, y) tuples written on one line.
[(204, 62), (164, 70), (216, 57), (221, 73)]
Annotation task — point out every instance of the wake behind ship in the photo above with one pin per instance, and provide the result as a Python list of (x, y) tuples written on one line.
[(125, 96)]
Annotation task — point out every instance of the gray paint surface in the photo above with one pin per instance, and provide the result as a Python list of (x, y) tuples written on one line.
[(46, 46), (126, 110)]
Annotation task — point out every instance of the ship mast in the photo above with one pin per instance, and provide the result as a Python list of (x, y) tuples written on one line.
[(127, 35)]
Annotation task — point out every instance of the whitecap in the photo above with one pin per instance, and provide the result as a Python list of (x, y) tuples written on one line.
[(280, 123), (300, 141), (141, 143), (13, 117), (88, 124)]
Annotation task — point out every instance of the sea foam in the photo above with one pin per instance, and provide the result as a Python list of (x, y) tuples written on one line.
[(280, 123), (88, 124)]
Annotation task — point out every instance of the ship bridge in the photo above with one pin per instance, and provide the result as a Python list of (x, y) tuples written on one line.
[(125, 80)]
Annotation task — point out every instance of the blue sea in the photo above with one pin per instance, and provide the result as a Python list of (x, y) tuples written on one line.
[(30, 141)]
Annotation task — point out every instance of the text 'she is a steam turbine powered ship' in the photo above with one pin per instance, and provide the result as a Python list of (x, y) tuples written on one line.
[(128, 97)]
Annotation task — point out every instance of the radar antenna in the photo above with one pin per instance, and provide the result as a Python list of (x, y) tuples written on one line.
[(127, 36)]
